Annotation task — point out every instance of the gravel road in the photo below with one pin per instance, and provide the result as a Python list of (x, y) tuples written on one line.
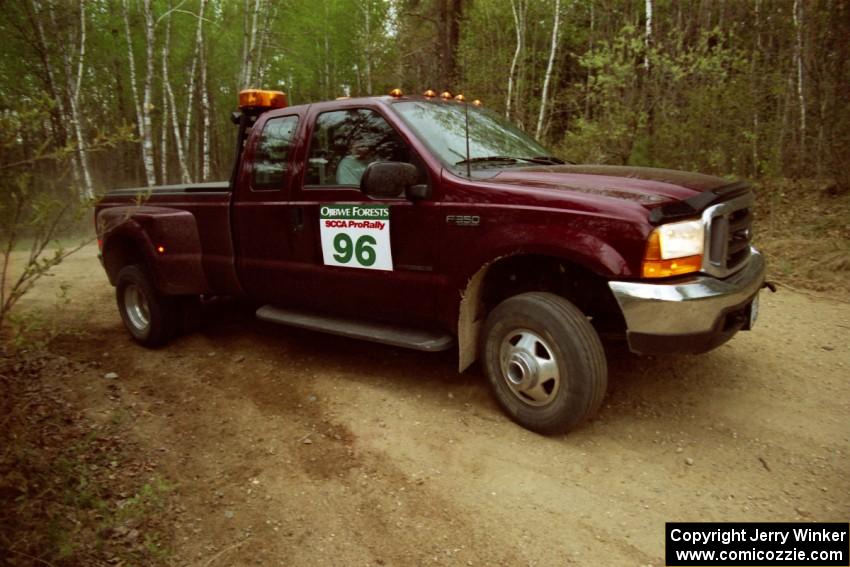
[(294, 448)]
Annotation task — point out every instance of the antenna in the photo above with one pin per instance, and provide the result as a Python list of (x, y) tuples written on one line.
[(466, 119)]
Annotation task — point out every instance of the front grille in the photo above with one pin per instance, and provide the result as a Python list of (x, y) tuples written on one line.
[(740, 235), (729, 233)]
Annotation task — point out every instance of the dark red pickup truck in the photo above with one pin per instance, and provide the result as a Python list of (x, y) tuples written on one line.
[(429, 222)]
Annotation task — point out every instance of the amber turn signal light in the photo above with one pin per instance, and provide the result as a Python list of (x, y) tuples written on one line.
[(654, 266), (666, 268), (256, 98)]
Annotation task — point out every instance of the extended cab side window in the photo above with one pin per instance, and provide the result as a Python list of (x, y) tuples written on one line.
[(345, 142), (271, 156)]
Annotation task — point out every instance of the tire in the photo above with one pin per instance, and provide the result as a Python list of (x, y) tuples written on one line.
[(544, 361), (150, 317)]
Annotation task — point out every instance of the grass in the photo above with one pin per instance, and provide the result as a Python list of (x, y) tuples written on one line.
[(804, 231), (72, 492)]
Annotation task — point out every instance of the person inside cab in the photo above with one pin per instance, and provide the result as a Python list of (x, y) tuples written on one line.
[(351, 167)]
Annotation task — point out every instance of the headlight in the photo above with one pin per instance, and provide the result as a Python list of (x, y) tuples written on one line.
[(674, 249), (680, 239)]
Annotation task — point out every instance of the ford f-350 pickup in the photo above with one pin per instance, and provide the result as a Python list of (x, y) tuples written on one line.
[(431, 223)]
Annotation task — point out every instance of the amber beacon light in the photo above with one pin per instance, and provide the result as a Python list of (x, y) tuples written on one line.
[(256, 98)]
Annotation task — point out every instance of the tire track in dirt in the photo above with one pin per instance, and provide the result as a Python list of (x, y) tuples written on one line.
[(407, 461)]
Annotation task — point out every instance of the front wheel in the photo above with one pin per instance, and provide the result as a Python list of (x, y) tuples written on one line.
[(544, 361), (151, 318)]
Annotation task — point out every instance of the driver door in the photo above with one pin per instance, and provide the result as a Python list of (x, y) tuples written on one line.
[(354, 255)]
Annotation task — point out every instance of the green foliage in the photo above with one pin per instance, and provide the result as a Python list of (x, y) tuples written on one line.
[(701, 94), (721, 93), (608, 134), (36, 206)]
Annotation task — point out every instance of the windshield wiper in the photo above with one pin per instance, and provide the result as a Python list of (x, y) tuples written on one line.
[(547, 160), (551, 160), (506, 159)]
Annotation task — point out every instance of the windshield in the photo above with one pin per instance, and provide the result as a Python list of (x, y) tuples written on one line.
[(493, 141)]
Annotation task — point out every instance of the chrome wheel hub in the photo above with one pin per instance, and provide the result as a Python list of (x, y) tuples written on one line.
[(136, 307), (529, 367)]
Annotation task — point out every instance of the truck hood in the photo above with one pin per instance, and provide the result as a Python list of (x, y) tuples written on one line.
[(643, 185)]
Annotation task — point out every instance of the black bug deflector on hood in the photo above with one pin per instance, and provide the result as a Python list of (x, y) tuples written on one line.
[(695, 205)]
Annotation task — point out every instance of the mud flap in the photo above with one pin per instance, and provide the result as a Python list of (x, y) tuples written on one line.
[(469, 323)]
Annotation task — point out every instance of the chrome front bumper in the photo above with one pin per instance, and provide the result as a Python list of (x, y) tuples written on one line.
[(694, 306)]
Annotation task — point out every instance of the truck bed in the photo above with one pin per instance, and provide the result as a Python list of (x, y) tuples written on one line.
[(209, 205)]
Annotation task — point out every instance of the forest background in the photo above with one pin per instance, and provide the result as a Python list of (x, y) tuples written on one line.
[(96, 94), (102, 93)]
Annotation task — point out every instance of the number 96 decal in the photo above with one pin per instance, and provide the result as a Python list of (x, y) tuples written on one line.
[(356, 236)]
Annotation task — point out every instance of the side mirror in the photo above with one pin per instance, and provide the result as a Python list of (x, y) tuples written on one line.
[(388, 178)]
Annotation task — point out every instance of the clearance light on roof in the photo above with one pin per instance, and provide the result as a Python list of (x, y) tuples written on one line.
[(429, 93), (476, 102), (460, 98), (445, 95), (255, 98), (396, 93)]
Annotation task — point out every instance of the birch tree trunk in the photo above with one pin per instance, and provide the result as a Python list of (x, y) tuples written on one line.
[(178, 142), (367, 48), (590, 38), (327, 51), (190, 95), (246, 34), (552, 51), (205, 112), (647, 35), (169, 109), (259, 65), (73, 82), (798, 57), (249, 43), (147, 103), (648, 91), (87, 190), (518, 10), (51, 83), (163, 141), (786, 110), (755, 72), (70, 91), (141, 113)]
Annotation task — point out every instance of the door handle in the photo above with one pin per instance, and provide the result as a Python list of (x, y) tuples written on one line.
[(296, 218)]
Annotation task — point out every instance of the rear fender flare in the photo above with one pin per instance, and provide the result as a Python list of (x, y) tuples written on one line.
[(167, 240)]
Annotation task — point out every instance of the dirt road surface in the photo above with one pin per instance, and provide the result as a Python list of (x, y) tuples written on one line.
[(293, 448)]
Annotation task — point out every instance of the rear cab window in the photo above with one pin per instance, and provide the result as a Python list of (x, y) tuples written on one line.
[(271, 154)]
